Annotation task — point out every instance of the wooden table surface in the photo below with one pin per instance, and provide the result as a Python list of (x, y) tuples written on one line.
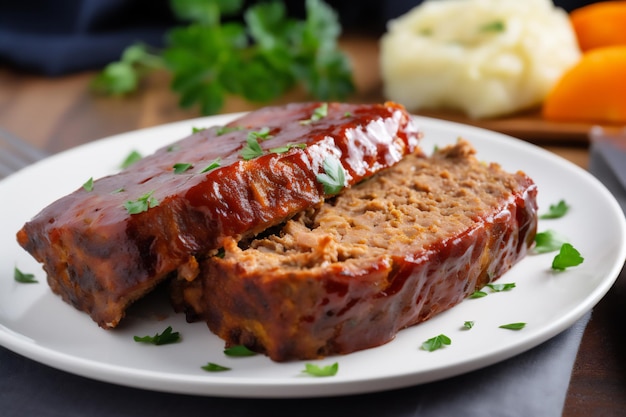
[(58, 113)]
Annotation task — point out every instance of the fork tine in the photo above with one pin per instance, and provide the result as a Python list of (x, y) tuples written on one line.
[(15, 153)]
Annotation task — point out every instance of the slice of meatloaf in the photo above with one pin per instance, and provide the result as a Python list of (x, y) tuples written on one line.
[(106, 247), (393, 251)]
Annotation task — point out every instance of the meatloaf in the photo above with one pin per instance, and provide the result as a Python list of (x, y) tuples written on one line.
[(393, 251), (104, 247)]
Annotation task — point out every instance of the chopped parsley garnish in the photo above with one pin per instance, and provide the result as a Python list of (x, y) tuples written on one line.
[(167, 337), (23, 277), (468, 325), (251, 149), (436, 342), (548, 241), (567, 257), (347, 114), (142, 204), (222, 130), (556, 211), (316, 370), (197, 129), (334, 178), (495, 26), (130, 159), (478, 294), (119, 190), (214, 164), (213, 367), (88, 185), (318, 114), (288, 147), (513, 326), (179, 168), (501, 287), (263, 134), (238, 351), (173, 148)]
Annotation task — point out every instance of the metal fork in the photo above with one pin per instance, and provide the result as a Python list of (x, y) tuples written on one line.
[(15, 153)]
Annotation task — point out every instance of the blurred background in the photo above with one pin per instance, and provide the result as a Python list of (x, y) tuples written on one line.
[(64, 36)]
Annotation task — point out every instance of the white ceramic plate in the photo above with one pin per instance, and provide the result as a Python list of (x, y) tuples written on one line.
[(38, 325)]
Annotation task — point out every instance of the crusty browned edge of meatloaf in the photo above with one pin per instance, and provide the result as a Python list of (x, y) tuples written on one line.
[(407, 244), (100, 258)]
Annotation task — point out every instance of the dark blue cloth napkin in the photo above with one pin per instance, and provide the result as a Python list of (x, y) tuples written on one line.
[(63, 36)]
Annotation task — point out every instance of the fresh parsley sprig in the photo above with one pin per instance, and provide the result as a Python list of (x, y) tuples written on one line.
[(258, 59), (23, 277), (124, 76), (478, 294), (513, 326), (436, 342), (168, 336), (88, 185), (334, 178), (130, 159), (567, 257), (238, 351), (556, 211), (288, 147), (214, 367), (261, 134), (181, 167), (318, 114), (223, 130), (499, 287), (141, 204), (321, 371), (548, 241), (251, 149), (494, 287), (216, 163)]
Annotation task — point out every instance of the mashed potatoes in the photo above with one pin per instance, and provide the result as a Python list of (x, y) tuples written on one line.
[(485, 58)]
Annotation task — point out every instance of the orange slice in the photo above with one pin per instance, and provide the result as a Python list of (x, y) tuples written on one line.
[(593, 90), (600, 24)]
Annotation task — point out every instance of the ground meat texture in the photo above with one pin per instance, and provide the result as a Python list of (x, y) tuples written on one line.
[(389, 253), (100, 258)]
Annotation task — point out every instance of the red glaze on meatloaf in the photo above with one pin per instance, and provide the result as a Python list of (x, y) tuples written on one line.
[(391, 252), (100, 258)]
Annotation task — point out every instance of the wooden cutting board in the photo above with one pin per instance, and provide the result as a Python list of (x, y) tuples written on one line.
[(529, 126)]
